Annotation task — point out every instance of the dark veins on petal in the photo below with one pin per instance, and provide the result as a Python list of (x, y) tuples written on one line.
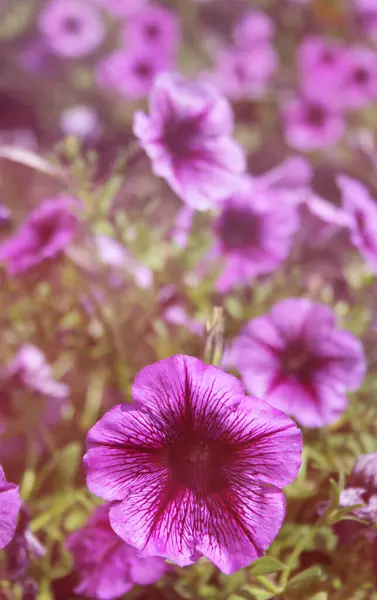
[(239, 228)]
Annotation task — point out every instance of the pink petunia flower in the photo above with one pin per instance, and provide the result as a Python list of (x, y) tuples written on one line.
[(108, 567), (362, 212), (254, 27), (245, 74), (71, 28), (253, 233), (359, 78), (311, 125), (366, 15), (194, 468), (188, 138), (10, 504), (132, 72), (298, 360), (42, 238), (156, 28)]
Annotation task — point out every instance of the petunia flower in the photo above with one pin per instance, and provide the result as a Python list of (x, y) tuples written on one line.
[(10, 504), (365, 12), (71, 28), (132, 72), (45, 235), (359, 86), (194, 468), (253, 233), (362, 212), (108, 567), (254, 27), (187, 135), (311, 125), (156, 28), (298, 360)]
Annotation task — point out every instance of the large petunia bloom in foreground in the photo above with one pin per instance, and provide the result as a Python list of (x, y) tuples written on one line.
[(194, 468), (187, 135), (361, 209), (298, 360), (106, 565), (48, 231), (10, 504)]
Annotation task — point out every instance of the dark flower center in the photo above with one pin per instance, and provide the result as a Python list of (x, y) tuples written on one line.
[(361, 76), (152, 31), (328, 56), (143, 69), (72, 24), (239, 228), (316, 114), (178, 136), (197, 463), (240, 72), (45, 232), (296, 360)]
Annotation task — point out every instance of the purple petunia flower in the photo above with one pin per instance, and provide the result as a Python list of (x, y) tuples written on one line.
[(194, 468), (298, 360), (322, 63), (156, 28), (253, 233), (107, 566), (43, 237), (122, 8), (132, 72), (10, 504), (362, 211), (311, 125), (245, 74), (360, 78), (254, 27), (71, 28), (366, 13), (361, 489), (188, 138)]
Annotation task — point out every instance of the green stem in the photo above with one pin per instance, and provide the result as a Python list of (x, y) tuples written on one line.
[(268, 585)]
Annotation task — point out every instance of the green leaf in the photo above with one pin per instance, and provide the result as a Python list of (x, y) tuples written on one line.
[(69, 463), (305, 577), (266, 565)]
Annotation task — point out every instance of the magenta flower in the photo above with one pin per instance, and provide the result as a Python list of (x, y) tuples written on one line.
[(194, 468), (42, 238), (188, 138), (361, 489), (253, 233), (132, 72), (245, 74), (10, 504), (366, 14), (360, 78), (362, 212), (298, 360), (254, 27), (122, 8), (311, 125), (322, 64), (154, 27), (107, 566), (71, 28)]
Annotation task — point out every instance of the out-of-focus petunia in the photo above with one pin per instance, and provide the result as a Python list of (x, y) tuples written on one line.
[(71, 28), (297, 359), (187, 135), (359, 86), (10, 504), (43, 238), (156, 28), (361, 209), (194, 468), (254, 27), (108, 567), (311, 125), (253, 234), (132, 72)]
